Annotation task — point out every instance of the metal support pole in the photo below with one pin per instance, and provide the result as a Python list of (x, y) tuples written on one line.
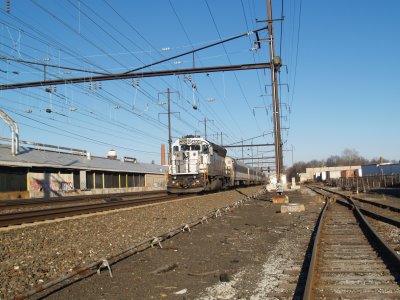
[(205, 128), (242, 147), (169, 129), (275, 64)]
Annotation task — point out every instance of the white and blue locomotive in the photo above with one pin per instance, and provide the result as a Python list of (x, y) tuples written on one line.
[(198, 165)]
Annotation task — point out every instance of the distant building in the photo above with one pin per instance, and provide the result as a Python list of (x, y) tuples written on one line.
[(380, 169), (325, 173), (37, 173)]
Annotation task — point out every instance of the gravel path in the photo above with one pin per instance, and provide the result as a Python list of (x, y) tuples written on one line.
[(36, 253)]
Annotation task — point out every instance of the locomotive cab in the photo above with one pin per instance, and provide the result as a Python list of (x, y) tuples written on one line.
[(194, 164), (198, 165)]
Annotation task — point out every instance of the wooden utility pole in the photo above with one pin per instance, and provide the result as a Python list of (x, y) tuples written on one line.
[(275, 65)]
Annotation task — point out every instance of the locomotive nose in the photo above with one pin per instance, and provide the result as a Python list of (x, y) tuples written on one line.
[(185, 183)]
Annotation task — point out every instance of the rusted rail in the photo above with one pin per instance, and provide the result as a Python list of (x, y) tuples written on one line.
[(349, 259), (20, 217), (6, 204)]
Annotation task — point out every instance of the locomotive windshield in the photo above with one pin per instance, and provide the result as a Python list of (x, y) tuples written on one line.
[(190, 147)]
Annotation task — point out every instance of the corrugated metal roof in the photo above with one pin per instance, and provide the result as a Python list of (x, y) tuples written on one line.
[(28, 157)]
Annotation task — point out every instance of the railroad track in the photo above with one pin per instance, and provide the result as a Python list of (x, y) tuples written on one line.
[(381, 211), (350, 260), (32, 202), (20, 217)]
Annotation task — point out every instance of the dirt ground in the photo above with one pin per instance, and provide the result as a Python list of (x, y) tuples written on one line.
[(251, 252)]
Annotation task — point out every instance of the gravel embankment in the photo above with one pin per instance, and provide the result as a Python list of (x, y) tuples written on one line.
[(35, 254)]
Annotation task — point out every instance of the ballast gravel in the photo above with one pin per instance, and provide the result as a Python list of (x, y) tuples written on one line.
[(34, 254)]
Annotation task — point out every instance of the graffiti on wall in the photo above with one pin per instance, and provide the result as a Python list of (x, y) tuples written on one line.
[(67, 186), (41, 185), (39, 182)]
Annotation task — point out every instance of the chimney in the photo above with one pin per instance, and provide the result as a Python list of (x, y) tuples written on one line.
[(163, 154)]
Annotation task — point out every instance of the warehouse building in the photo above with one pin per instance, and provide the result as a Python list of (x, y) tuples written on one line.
[(37, 173), (326, 173)]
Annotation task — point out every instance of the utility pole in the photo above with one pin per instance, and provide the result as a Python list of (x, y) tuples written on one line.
[(205, 126), (218, 139), (242, 148), (169, 120), (169, 128), (275, 65)]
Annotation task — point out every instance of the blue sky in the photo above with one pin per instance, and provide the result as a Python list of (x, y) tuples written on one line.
[(347, 88), (343, 79)]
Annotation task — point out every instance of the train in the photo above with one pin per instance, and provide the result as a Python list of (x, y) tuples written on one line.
[(198, 165)]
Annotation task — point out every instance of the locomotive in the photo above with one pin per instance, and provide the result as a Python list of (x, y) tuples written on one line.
[(199, 165)]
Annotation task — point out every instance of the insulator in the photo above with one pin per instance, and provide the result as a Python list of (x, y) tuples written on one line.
[(8, 6)]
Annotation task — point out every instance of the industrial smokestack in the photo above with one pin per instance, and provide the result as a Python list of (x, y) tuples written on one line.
[(163, 154)]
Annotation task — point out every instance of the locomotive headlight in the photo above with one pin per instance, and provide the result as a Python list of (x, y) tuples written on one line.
[(194, 176), (174, 177)]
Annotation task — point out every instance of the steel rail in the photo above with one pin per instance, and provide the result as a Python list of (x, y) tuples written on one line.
[(392, 257), (383, 245), (368, 212), (5, 204), (381, 205), (379, 217), (308, 290), (16, 218)]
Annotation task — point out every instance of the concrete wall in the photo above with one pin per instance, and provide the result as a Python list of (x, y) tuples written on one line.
[(14, 195), (156, 181), (50, 184)]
